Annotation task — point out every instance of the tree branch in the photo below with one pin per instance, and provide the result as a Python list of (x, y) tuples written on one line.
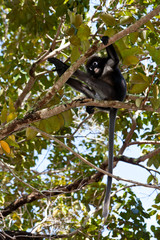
[(31, 117), (77, 184), (129, 135), (67, 74)]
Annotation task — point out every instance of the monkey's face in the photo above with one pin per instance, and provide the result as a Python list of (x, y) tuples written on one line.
[(95, 66)]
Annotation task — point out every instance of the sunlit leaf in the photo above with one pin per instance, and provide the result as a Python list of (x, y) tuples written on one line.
[(11, 106), (130, 60), (3, 116), (150, 179), (67, 115), (83, 32), (85, 45), (139, 83), (155, 53), (155, 103), (108, 19), (30, 133), (75, 40), (138, 102), (133, 37), (11, 141), (126, 20), (11, 116), (5, 146), (150, 26), (75, 54)]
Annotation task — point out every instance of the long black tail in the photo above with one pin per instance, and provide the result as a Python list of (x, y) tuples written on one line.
[(112, 120)]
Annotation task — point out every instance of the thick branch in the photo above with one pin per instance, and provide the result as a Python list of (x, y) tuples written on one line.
[(91, 51), (20, 124)]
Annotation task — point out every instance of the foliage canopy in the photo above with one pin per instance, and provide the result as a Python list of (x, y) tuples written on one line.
[(46, 189)]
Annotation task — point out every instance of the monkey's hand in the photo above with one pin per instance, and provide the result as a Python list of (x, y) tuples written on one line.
[(90, 109), (60, 66), (105, 40)]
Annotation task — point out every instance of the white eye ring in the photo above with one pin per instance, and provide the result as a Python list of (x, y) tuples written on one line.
[(95, 64)]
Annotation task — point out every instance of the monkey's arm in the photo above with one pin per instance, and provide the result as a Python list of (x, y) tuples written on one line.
[(60, 66), (95, 88), (110, 51), (74, 83)]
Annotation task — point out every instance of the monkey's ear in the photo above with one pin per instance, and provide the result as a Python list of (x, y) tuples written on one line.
[(105, 40)]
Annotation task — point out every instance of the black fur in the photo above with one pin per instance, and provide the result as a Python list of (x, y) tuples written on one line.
[(102, 81)]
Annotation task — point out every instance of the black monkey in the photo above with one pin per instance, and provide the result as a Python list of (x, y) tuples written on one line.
[(102, 81)]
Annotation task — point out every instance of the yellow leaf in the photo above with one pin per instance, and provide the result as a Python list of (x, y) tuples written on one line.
[(11, 117), (12, 137), (5, 146)]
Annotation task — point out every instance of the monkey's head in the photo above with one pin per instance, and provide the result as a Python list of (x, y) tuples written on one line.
[(95, 66)]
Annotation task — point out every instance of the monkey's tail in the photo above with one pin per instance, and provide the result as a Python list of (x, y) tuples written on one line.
[(112, 120)]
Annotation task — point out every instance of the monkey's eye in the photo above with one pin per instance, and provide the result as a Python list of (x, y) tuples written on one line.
[(95, 64)]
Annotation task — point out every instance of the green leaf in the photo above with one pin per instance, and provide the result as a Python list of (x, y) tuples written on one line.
[(83, 32), (75, 54), (85, 45), (110, 32), (138, 102), (108, 19), (126, 20), (11, 106), (3, 116), (140, 82), (155, 103), (11, 141), (77, 20), (74, 40), (150, 26), (130, 60), (50, 125), (155, 53), (67, 115), (157, 200), (133, 37), (155, 91), (30, 133), (150, 179)]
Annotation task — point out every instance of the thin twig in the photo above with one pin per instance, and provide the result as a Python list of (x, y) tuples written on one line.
[(144, 142), (57, 34), (92, 165), (20, 180), (129, 135)]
